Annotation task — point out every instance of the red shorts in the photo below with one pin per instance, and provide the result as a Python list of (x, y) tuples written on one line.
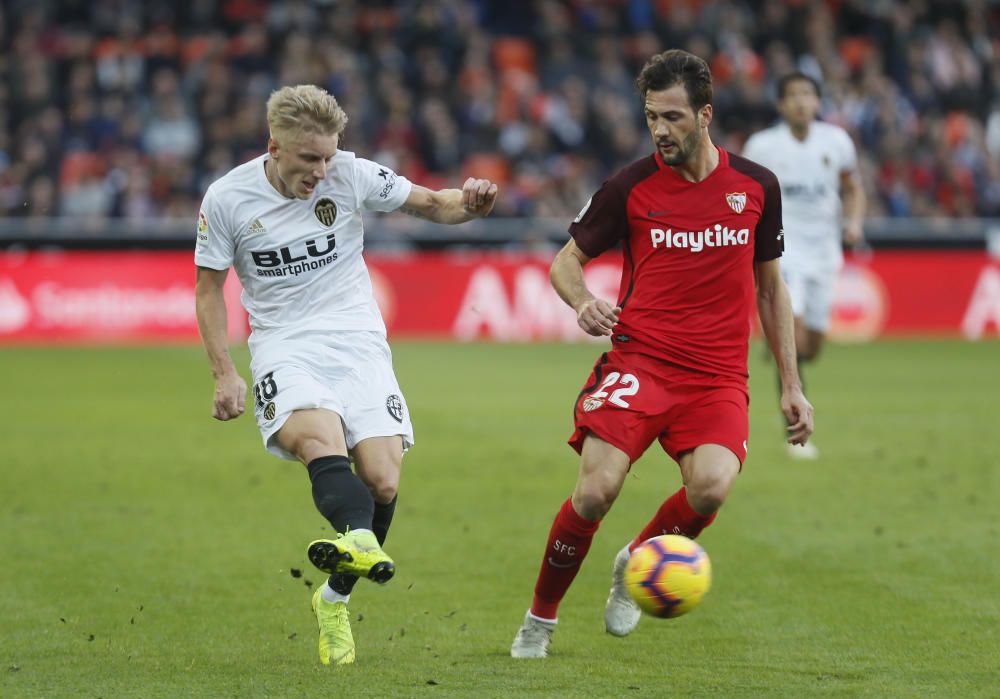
[(631, 400)]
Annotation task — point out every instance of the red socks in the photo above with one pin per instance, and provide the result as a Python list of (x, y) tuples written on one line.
[(569, 541), (675, 516), (570, 537)]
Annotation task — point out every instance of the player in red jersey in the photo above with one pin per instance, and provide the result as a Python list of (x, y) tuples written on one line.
[(701, 235)]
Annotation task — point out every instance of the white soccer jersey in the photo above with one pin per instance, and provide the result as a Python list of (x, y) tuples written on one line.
[(809, 173), (299, 260)]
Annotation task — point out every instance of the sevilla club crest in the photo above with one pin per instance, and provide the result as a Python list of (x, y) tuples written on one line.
[(737, 201)]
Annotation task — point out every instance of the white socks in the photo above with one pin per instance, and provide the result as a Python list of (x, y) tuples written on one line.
[(547, 622), (331, 595)]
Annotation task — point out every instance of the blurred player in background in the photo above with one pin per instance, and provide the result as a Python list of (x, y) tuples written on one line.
[(817, 167), (699, 228), (290, 224)]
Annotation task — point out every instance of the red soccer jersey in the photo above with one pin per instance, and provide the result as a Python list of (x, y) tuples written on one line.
[(687, 290)]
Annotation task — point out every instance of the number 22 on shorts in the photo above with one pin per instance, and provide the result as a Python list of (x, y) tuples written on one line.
[(628, 386)]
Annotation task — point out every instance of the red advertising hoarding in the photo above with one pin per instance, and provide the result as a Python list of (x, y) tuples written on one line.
[(103, 297), (112, 297)]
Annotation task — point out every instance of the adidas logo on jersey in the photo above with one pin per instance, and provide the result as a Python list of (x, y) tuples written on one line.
[(256, 227), (717, 236)]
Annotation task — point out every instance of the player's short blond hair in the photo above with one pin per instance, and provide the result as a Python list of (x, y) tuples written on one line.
[(296, 109)]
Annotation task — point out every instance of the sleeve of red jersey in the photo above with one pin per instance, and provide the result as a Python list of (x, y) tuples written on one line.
[(769, 239), (603, 221)]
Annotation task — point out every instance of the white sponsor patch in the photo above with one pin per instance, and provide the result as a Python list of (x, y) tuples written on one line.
[(717, 236)]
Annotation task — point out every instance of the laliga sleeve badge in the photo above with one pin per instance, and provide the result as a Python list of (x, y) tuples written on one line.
[(202, 227), (395, 407)]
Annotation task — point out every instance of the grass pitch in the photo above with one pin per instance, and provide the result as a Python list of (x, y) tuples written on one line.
[(150, 551)]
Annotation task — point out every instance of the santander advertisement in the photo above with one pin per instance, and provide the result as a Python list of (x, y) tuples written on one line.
[(129, 297)]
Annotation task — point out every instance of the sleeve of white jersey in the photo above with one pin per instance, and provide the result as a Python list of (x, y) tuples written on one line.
[(215, 243), (378, 187)]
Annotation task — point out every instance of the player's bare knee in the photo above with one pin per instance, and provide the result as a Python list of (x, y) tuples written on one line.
[(380, 473), (383, 484), (706, 502), (593, 498), (707, 494), (709, 487)]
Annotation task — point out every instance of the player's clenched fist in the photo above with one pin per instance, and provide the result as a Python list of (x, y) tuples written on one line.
[(799, 414), (230, 397), (479, 196), (597, 317)]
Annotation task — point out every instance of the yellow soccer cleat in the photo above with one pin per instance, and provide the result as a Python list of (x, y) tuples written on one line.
[(336, 644), (357, 553)]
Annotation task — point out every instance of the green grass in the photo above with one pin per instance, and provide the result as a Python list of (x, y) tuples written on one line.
[(147, 548)]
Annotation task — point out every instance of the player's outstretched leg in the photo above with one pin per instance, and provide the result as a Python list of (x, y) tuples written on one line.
[(621, 613), (602, 472), (567, 546), (355, 553), (347, 504), (336, 643)]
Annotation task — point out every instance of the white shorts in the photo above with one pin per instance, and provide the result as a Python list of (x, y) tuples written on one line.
[(812, 293), (350, 374)]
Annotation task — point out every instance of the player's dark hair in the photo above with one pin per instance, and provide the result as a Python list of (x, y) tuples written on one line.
[(797, 76), (677, 67)]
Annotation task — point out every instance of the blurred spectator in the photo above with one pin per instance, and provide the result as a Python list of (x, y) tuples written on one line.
[(129, 109)]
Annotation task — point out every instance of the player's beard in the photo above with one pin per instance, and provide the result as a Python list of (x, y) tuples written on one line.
[(684, 149)]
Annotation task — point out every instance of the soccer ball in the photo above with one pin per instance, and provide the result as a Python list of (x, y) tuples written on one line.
[(668, 575)]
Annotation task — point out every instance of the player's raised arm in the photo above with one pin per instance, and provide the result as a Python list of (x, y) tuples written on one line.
[(775, 311), (596, 316), (210, 305), (474, 200)]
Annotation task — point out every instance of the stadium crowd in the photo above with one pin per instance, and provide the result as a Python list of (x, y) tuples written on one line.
[(122, 108)]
